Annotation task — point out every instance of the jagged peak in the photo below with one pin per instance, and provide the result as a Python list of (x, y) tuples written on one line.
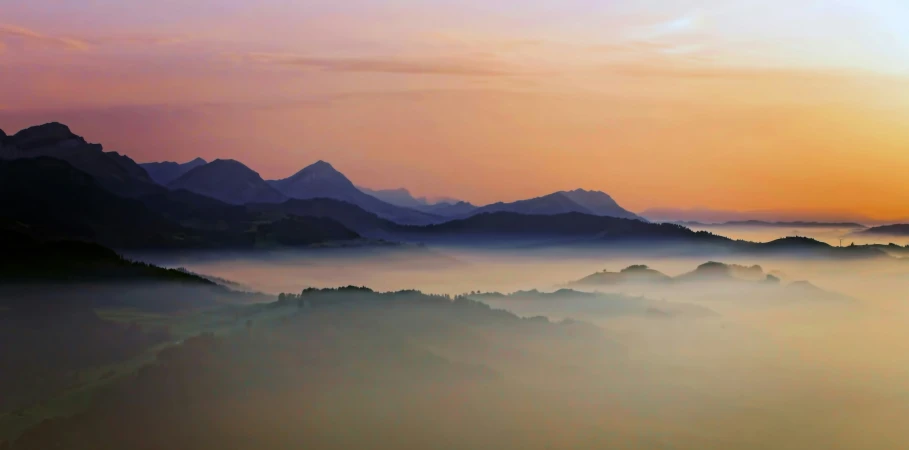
[(44, 135)]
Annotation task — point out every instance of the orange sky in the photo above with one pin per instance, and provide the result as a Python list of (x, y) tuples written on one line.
[(683, 103)]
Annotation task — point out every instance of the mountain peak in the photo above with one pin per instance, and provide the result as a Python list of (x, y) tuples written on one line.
[(320, 168), (320, 164), (228, 180), (319, 171), (44, 135), (198, 161)]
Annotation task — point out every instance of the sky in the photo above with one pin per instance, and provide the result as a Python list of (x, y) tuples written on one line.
[(796, 105)]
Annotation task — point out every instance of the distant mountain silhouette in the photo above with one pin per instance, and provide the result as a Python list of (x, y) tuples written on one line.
[(321, 180), (888, 230), (49, 199), (115, 172), (761, 223), (568, 224), (229, 181), (445, 207), (807, 247), (166, 172), (398, 197), (450, 210), (585, 202), (751, 281), (712, 216), (599, 203)]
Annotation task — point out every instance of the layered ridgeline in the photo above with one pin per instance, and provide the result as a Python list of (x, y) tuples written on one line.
[(48, 198), (166, 172), (728, 282), (59, 186), (115, 172), (579, 201), (896, 230), (447, 207), (321, 180), (229, 181)]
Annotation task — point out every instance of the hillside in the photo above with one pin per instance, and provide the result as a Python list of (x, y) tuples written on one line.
[(888, 230)]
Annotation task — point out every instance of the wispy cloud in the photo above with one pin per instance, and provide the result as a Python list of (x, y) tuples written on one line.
[(414, 66), (718, 72), (687, 23), (139, 40), (10, 32)]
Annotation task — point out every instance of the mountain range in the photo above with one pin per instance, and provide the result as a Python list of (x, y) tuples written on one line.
[(579, 201), (115, 172), (763, 223), (888, 230), (229, 181), (55, 185), (321, 180), (166, 172)]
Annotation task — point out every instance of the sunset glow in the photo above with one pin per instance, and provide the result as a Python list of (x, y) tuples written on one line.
[(674, 103)]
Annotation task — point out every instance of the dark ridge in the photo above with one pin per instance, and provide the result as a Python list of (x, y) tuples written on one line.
[(115, 172), (889, 230)]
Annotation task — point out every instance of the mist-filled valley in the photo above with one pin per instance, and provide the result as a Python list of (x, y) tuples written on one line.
[(594, 352)]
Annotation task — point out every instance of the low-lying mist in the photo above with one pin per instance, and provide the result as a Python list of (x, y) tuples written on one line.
[(760, 373), (754, 361)]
